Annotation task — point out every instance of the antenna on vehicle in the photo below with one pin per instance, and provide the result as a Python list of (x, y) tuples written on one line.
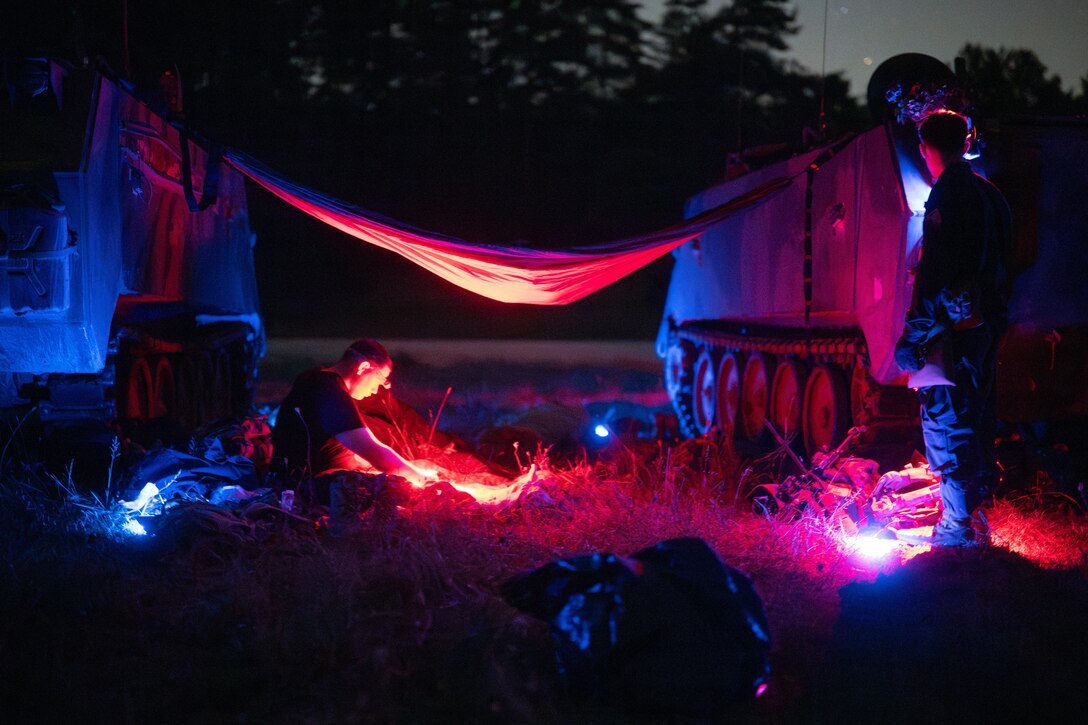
[(823, 77)]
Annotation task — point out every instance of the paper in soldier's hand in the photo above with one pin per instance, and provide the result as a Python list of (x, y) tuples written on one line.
[(934, 372)]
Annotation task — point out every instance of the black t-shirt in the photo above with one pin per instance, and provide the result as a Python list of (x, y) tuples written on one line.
[(316, 410)]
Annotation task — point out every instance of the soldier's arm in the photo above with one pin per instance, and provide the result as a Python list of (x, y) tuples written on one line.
[(362, 443)]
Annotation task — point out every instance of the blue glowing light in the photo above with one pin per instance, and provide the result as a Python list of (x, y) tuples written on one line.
[(135, 528), (601, 430), (148, 492), (915, 187), (871, 547)]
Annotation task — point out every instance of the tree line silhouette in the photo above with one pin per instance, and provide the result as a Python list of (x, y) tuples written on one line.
[(556, 122)]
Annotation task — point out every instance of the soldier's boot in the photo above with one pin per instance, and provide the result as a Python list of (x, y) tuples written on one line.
[(947, 532)]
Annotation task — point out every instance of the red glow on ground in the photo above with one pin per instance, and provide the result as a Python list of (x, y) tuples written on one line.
[(491, 490), (1054, 539), (486, 488)]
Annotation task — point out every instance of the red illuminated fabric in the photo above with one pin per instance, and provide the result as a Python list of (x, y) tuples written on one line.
[(506, 274)]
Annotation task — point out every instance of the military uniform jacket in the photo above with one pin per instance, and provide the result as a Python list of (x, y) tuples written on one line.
[(961, 278)]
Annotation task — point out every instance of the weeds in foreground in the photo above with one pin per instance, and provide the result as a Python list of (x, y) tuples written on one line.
[(1050, 530), (260, 613)]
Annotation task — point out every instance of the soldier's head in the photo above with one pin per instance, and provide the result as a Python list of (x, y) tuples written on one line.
[(942, 140), (365, 367)]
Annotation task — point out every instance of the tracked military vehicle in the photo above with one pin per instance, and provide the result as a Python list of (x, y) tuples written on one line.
[(127, 286), (789, 311)]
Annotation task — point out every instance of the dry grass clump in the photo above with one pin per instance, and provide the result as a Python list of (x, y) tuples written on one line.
[(1049, 529), (263, 616), (223, 612)]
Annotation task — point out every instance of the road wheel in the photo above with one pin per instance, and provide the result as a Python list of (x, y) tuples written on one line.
[(138, 390), (703, 398), (786, 401), (862, 395), (162, 401), (680, 384), (727, 398), (827, 408), (754, 396)]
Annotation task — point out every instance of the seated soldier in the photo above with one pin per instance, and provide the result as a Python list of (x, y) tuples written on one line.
[(320, 430)]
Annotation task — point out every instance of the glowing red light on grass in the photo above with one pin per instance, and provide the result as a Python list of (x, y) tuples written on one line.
[(496, 494), (487, 488)]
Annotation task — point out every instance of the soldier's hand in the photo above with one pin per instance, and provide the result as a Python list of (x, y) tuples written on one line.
[(422, 476), (909, 357)]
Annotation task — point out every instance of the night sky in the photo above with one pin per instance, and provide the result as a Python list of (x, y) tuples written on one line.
[(858, 30), (552, 179)]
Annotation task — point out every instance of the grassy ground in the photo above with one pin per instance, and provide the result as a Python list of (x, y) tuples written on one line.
[(261, 617)]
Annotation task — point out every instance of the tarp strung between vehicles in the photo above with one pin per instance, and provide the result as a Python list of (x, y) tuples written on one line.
[(506, 274)]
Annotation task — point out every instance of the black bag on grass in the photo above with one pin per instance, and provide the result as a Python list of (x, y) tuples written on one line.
[(672, 629)]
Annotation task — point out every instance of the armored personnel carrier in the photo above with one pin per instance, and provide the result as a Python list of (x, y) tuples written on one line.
[(127, 286), (789, 311)]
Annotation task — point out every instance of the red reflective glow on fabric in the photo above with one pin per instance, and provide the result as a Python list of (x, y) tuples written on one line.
[(506, 274)]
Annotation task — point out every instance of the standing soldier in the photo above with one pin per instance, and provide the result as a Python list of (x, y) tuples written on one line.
[(957, 317)]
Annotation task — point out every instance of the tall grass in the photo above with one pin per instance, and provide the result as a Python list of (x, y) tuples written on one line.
[(257, 615)]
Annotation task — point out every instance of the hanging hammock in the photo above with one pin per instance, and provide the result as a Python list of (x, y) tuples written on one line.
[(506, 274)]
